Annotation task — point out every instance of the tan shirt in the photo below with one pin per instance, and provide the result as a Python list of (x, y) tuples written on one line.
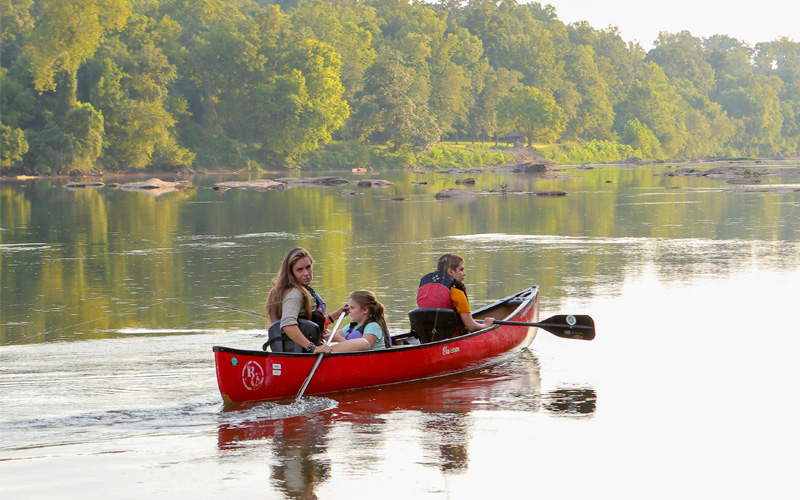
[(293, 303)]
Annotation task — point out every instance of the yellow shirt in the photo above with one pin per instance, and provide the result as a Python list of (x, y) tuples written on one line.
[(460, 302)]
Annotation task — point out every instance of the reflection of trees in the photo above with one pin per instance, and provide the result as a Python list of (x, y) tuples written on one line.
[(298, 447), (111, 252)]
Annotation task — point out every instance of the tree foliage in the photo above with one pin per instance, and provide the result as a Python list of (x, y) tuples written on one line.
[(67, 32), (639, 136), (164, 84), (534, 113)]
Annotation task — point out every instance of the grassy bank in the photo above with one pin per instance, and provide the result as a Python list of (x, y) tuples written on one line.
[(348, 155)]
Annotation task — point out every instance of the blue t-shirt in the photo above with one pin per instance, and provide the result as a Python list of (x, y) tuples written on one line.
[(372, 328)]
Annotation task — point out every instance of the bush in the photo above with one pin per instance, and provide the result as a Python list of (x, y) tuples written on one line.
[(640, 137), (338, 156), (352, 154), (472, 156), (221, 153), (71, 144), (594, 152), (388, 160)]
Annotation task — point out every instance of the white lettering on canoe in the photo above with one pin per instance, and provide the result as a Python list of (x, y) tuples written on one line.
[(446, 350), (276, 369), (252, 375)]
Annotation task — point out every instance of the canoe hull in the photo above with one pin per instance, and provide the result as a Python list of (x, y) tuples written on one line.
[(245, 375)]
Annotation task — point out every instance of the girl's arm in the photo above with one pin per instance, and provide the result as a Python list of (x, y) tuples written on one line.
[(363, 343), (472, 325), (360, 344), (337, 337), (461, 305)]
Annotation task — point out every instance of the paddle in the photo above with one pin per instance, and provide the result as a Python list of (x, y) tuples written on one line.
[(319, 359), (568, 326)]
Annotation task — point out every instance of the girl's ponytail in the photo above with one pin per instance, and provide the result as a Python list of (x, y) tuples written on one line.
[(367, 299)]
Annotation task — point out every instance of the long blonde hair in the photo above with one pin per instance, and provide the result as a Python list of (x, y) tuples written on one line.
[(284, 281)]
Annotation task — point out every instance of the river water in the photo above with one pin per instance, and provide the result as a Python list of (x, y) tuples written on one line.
[(111, 301)]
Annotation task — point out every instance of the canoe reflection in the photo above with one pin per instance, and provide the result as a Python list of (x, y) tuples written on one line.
[(441, 408)]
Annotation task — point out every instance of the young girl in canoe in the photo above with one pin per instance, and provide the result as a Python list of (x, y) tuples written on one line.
[(433, 291), (292, 297), (368, 328)]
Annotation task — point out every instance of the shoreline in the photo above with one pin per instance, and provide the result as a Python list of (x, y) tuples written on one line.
[(762, 162)]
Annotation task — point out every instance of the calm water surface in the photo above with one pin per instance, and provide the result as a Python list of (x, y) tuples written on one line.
[(111, 300)]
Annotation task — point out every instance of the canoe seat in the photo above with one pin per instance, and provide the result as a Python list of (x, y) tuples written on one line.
[(430, 324), (280, 342)]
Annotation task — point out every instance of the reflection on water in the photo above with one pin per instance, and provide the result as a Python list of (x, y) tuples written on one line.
[(440, 410), (299, 448), (111, 300), (572, 402), (448, 441), (73, 262)]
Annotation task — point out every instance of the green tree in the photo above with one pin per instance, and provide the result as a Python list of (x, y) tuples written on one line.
[(127, 81), (532, 112), (617, 61), (757, 111), (16, 24), (483, 116), (14, 146), (67, 32), (657, 104), (340, 27), (205, 40), (445, 61), (682, 57), (298, 109), (730, 59), (781, 58), (229, 64), (71, 143), (685, 62), (387, 110), (593, 115), (640, 137)]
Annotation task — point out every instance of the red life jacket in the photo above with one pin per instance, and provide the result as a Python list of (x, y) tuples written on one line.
[(434, 291)]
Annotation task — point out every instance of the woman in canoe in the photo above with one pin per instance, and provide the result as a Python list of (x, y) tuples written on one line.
[(292, 298), (368, 327)]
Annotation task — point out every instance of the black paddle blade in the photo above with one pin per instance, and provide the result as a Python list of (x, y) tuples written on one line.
[(570, 326)]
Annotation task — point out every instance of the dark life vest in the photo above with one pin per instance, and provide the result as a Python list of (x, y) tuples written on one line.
[(280, 342), (434, 291), (311, 327)]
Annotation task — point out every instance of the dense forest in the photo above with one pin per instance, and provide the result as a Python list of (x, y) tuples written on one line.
[(127, 85)]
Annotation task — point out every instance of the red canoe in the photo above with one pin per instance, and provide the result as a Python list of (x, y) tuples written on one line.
[(245, 375)]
